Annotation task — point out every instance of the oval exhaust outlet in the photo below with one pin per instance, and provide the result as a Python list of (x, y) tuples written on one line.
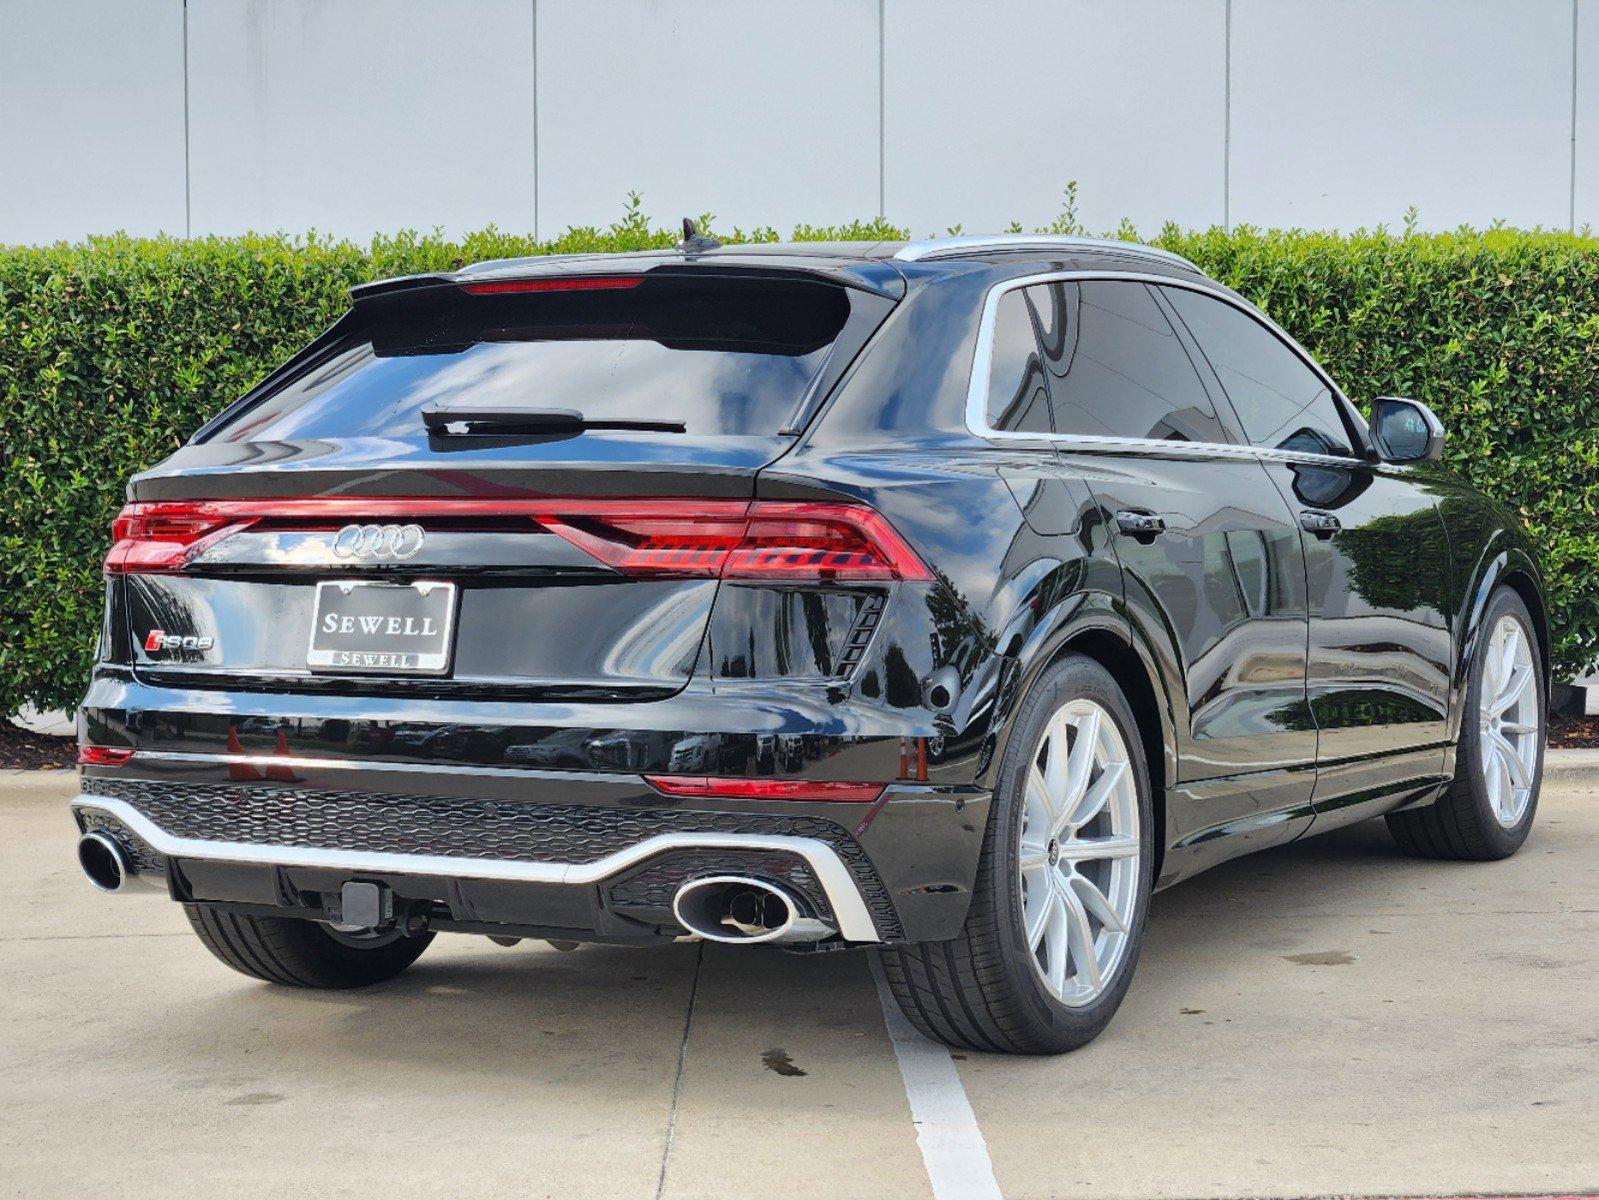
[(733, 908), (104, 862)]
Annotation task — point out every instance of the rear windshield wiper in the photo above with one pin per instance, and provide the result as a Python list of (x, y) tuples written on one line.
[(457, 420)]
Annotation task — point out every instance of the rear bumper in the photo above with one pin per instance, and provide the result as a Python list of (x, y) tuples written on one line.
[(855, 923), (536, 814), (579, 855)]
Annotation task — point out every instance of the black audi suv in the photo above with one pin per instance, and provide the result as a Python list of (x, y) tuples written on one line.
[(943, 599)]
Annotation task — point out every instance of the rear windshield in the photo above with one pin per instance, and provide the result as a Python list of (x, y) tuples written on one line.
[(722, 355)]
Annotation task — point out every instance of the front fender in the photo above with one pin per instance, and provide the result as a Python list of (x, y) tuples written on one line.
[(1502, 557)]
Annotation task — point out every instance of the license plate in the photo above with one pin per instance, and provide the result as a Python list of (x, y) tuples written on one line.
[(383, 628)]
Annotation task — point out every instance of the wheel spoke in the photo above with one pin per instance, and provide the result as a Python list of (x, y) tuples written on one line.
[(1041, 809), (1096, 902), (1492, 778), (1081, 765), (1042, 902), (1507, 789), (1033, 857), (1519, 775), (1095, 798), (1085, 957), (1504, 661), (1517, 727), (1082, 849), (1056, 769), (1512, 691), (1057, 942)]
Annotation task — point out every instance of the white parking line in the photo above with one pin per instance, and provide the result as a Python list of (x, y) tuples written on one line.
[(952, 1146)]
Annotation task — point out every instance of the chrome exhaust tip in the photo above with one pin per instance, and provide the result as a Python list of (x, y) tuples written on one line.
[(736, 909), (105, 863)]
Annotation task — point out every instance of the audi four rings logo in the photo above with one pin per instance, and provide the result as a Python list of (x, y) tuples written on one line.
[(392, 542)]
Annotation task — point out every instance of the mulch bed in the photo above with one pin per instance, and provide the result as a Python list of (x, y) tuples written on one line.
[(34, 751), (1574, 733)]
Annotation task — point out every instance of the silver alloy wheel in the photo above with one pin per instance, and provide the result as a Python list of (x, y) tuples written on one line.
[(1079, 853), (1510, 727)]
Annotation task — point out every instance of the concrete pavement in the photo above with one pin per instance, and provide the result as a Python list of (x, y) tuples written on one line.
[(1329, 1018)]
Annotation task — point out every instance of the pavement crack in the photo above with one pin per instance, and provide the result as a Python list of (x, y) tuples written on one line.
[(677, 1078)]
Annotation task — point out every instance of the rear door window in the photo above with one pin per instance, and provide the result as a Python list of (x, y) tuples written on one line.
[(1281, 403), (722, 355), (1117, 368), (1018, 400)]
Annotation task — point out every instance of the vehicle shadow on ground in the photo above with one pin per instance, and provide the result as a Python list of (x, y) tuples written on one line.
[(471, 1009), (531, 1012)]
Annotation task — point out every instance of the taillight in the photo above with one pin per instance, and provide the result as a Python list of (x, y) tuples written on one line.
[(164, 535), (103, 756), (735, 788), (771, 540), (574, 283), (776, 540), (652, 537)]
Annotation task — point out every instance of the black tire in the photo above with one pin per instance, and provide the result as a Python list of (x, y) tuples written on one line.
[(300, 953), (981, 990), (1461, 824)]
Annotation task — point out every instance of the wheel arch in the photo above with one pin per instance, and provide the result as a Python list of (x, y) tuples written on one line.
[(1501, 566), (1098, 631), (1137, 682)]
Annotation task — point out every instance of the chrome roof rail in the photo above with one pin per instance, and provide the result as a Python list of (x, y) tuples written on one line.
[(950, 247)]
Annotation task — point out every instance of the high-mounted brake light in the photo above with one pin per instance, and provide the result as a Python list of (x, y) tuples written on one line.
[(103, 756), (777, 540), (734, 788), (574, 283)]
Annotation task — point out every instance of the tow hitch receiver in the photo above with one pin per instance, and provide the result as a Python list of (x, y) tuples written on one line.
[(364, 906)]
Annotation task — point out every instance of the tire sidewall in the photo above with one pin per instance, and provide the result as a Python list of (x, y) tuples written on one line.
[(1469, 778), (1074, 677)]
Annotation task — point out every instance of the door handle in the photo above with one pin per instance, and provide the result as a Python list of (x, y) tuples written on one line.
[(1323, 525), (1140, 524)]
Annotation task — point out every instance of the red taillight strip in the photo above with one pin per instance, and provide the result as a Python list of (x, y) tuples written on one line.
[(733, 788), (576, 283), (103, 756), (659, 536)]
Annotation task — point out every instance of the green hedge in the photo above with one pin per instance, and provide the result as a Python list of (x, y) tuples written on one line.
[(112, 351)]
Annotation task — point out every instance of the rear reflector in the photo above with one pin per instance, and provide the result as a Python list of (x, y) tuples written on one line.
[(103, 756), (578, 283), (785, 541), (763, 789)]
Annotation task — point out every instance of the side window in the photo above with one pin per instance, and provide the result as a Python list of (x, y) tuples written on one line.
[(1281, 402), (1017, 398), (1123, 372), (1055, 305)]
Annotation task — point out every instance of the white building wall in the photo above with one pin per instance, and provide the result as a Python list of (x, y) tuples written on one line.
[(1348, 111), (91, 118), (989, 111), (351, 116), (362, 116), (761, 113)]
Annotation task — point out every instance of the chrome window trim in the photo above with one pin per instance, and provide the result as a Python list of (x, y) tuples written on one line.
[(982, 359), (854, 921), (949, 247)]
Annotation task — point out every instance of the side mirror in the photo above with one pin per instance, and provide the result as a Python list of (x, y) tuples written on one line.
[(1406, 430)]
